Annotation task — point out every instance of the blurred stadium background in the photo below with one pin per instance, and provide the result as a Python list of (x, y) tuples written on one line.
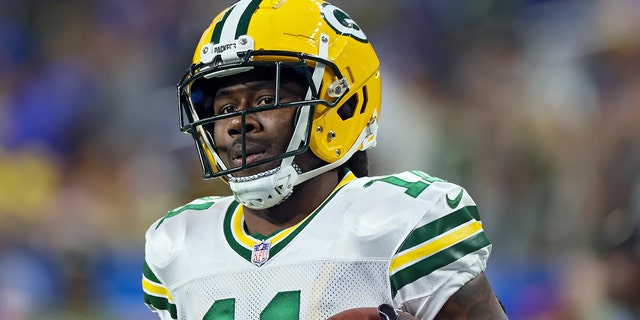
[(532, 105)]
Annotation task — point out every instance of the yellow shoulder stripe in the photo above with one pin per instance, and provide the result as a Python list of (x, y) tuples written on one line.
[(433, 246), (155, 289)]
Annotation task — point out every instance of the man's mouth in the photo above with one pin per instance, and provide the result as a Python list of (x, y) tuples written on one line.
[(249, 158), (252, 153)]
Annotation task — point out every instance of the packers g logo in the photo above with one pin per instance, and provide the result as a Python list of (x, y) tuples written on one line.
[(340, 21)]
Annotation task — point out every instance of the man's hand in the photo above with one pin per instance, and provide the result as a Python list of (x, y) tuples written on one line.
[(383, 312), (387, 312), (474, 300)]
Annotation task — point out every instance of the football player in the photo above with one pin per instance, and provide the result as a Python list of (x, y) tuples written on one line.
[(282, 99)]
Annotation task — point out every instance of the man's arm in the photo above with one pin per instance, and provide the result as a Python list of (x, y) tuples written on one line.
[(474, 300)]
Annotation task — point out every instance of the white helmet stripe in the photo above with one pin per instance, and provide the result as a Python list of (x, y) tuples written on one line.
[(237, 20)]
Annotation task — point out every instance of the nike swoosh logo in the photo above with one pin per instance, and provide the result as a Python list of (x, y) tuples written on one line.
[(453, 203)]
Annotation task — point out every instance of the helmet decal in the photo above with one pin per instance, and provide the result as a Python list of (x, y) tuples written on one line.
[(342, 23)]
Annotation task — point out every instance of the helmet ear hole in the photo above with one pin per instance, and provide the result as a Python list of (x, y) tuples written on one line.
[(348, 109), (364, 100)]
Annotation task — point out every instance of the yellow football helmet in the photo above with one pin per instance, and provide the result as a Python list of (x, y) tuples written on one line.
[(316, 39)]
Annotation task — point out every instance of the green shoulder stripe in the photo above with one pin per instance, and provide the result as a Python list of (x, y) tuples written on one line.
[(438, 227), (160, 300), (159, 303), (434, 262), (148, 273), (473, 211)]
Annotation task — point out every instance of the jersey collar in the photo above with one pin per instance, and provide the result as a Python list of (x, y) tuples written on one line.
[(244, 243)]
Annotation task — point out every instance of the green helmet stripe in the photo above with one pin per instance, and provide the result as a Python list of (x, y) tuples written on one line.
[(233, 23), (217, 30), (243, 24)]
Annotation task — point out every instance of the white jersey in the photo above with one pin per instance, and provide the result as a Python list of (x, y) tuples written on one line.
[(408, 239)]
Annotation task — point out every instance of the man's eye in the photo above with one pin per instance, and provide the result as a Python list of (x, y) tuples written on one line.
[(266, 101), (227, 109)]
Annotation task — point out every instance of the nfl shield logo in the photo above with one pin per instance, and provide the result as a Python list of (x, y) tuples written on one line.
[(260, 253)]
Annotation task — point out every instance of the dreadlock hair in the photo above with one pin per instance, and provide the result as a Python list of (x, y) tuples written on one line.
[(358, 164)]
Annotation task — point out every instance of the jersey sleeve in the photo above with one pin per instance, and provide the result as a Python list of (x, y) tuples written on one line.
[(446, 249), (164, 243), (157, 250), (157, 296)]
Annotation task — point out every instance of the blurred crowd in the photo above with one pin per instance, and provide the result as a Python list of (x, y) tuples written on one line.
[(532, 105)]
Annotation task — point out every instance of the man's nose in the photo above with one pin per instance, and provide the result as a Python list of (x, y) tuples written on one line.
[(249, 123)]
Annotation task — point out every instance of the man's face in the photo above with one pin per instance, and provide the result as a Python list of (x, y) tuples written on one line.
[(267, 133)]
